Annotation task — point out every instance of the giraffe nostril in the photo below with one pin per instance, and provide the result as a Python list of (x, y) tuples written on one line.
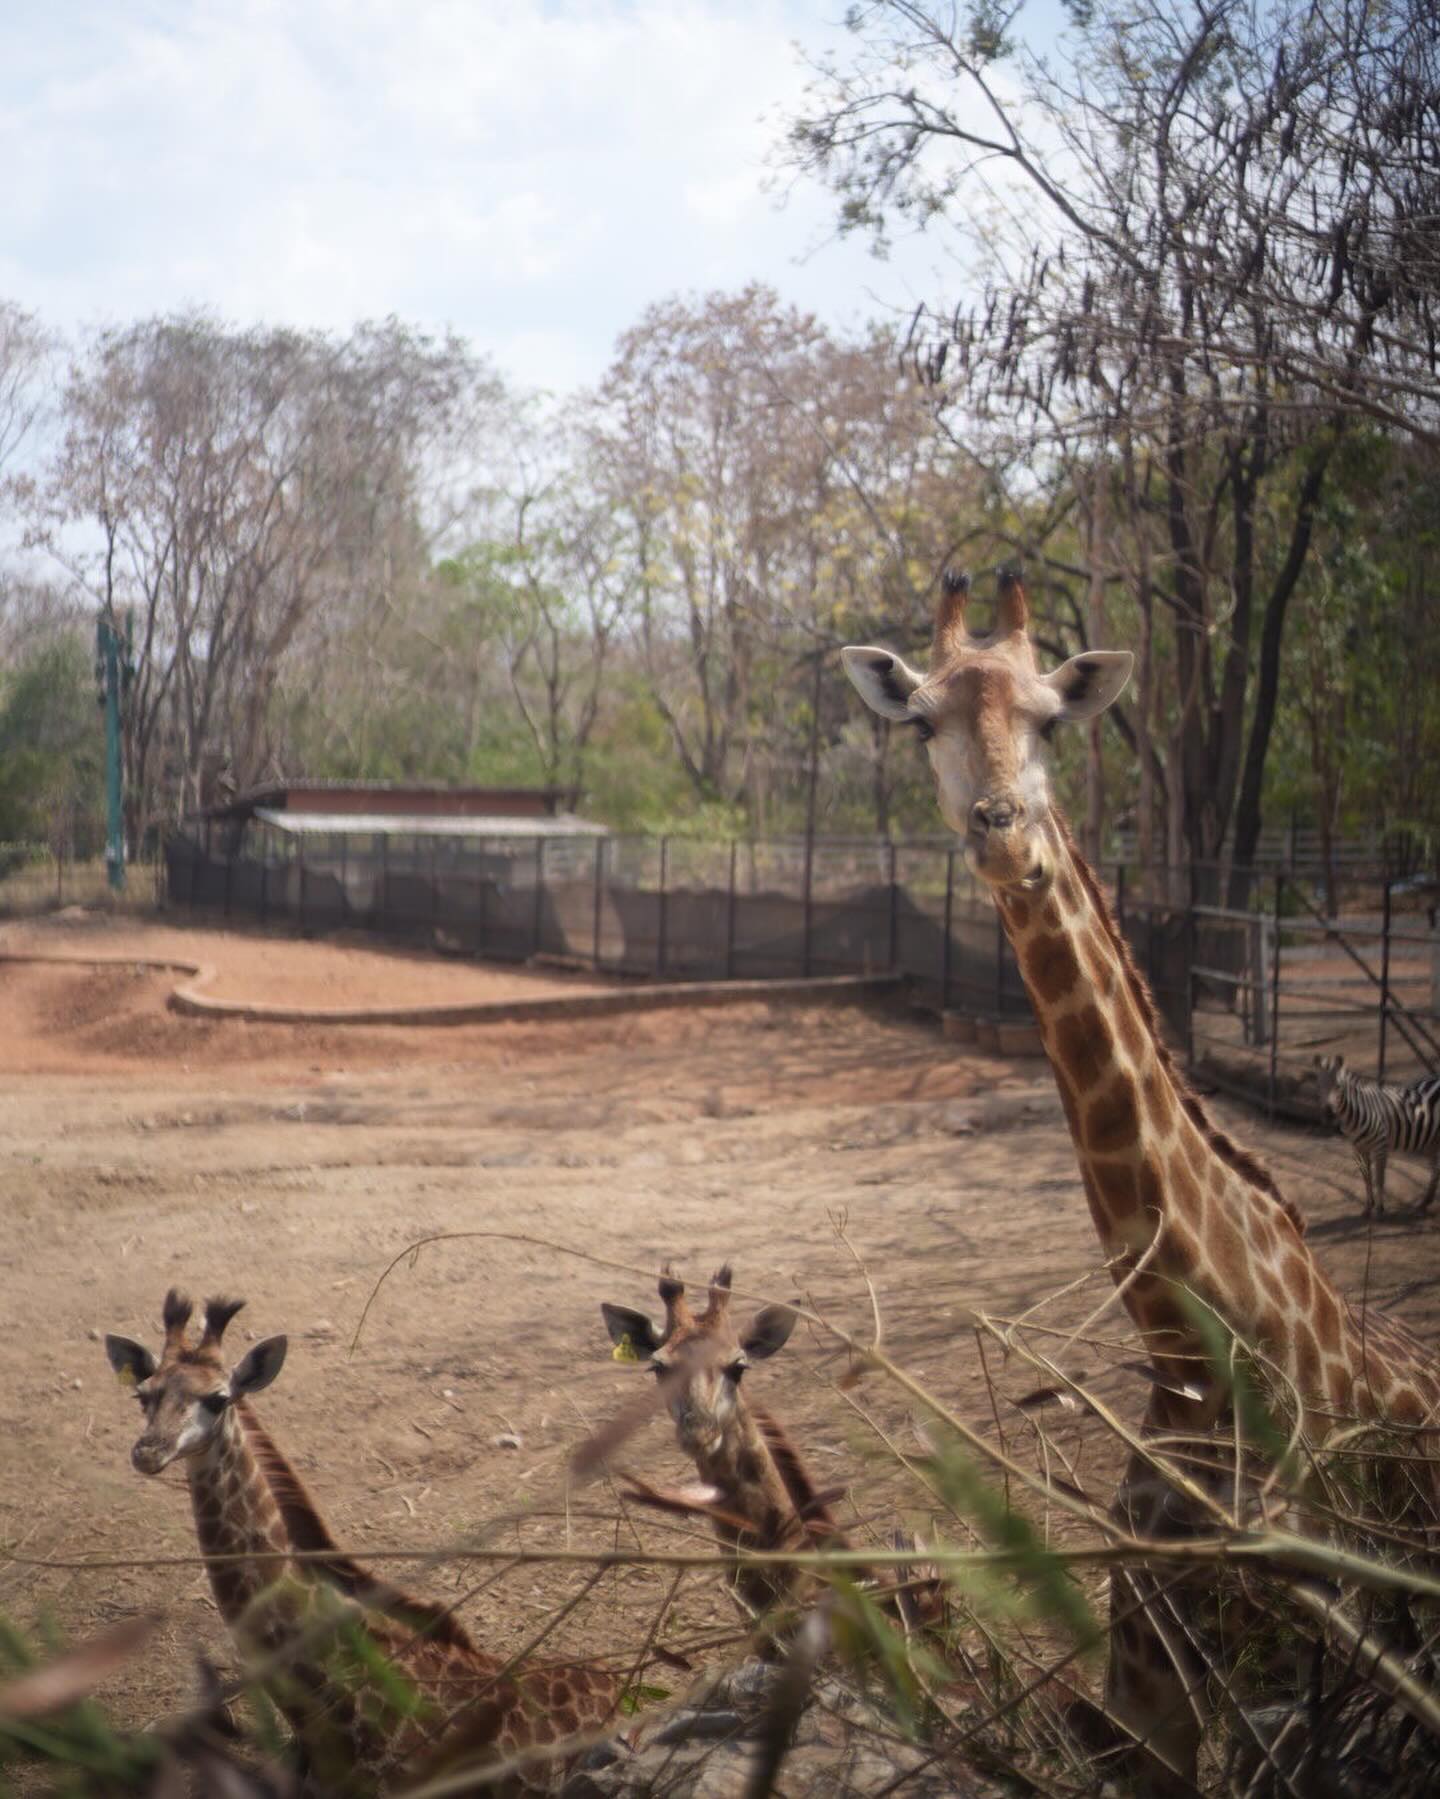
[(994, 814)]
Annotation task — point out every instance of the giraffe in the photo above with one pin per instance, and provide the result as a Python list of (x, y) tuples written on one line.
[(1188, 1220), (756, 1490), (315, 1626)]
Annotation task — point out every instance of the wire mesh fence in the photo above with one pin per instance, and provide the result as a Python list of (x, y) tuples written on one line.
[(1255, 990), (35, 879)]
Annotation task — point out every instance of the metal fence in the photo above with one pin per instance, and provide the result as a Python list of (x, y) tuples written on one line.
[(1276, 983), (1251, 994), (670, 908), (1304, 851), (34, 880)]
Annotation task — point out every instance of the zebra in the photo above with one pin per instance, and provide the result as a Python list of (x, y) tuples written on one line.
[(1379, 1119)]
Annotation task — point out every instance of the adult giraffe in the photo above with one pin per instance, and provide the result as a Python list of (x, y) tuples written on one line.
[(1179, 1208)]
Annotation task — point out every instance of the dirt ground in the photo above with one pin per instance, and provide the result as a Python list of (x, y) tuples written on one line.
[(140, 1150)]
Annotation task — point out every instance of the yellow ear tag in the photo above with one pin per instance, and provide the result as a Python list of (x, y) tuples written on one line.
[(625, 1351)]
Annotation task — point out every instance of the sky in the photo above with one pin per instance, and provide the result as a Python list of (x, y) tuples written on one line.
[(530, 173)]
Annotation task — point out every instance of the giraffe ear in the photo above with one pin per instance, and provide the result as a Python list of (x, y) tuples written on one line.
[(1090, 682), (132, 1361), (258, 1367), (768, 1332), (882, 680), (631, 1332)]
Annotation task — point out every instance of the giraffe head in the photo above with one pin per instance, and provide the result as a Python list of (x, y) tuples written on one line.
[(983, 711), (186, 1393), (699, 1361)]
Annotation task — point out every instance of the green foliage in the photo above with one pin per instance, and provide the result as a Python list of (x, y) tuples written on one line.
[(639, 1695), (1359, 720), (79, 1745), (1036, 1572), (52, 748)]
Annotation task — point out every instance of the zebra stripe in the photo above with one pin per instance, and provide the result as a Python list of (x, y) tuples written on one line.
[(1380, 1119)]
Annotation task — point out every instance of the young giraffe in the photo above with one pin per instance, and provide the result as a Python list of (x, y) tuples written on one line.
[(1176, 1204), (302, 1619), (757, 1492)]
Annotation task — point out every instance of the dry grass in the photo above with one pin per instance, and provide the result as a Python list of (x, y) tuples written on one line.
[(1307, 1589)]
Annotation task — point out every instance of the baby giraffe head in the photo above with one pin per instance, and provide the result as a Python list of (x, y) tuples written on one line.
[(187, 1392), (983, 711), (699, 1362)]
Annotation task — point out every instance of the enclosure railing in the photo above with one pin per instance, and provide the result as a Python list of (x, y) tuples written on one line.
[(37, 878), (1253, 991)]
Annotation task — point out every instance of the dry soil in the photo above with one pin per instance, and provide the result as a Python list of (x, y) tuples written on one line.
[(291, 1164)]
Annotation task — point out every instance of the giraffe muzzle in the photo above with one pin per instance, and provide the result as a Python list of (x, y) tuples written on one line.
[(1001, 846), (997, 812), (149, 1458)]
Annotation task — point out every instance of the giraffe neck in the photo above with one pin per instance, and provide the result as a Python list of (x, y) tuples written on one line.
[(1163, 1184), (236, 1515), (753, 1483), (250, 1503), (761, 1479)]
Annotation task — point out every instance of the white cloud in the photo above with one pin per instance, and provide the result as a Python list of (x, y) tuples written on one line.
[(532, 174)]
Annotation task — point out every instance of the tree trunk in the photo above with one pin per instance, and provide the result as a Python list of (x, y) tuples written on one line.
[(1095, 629), (1248, 818)]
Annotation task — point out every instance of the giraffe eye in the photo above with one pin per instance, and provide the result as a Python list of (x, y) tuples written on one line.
[(214, 1403), (735, 1370)]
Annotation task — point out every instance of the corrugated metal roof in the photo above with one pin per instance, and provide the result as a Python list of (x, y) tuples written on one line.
[(276, 794), (396, 824)]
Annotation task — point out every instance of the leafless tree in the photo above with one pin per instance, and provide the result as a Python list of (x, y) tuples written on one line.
[(240, 484), (769, 481)]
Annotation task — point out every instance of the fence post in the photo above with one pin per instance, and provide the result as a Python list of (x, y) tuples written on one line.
[(539, 893), (300, 867), (660, 921), (434, 886), (730, 915), (805, 904), (1191, 935), (344, 877), (480, 896), (382, 886), (1384, 976), (599, 897), (1274, 972), (949, 917), (892, 949)]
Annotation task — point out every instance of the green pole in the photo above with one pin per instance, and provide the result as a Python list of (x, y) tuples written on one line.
[(113, 665)]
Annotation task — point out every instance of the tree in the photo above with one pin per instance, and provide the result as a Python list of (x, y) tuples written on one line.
[(1215, 252), (51, 753), (243, 484), (773, 485), (548, 601)]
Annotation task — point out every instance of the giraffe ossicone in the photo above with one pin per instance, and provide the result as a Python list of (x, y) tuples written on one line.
[(1190, 1223)]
